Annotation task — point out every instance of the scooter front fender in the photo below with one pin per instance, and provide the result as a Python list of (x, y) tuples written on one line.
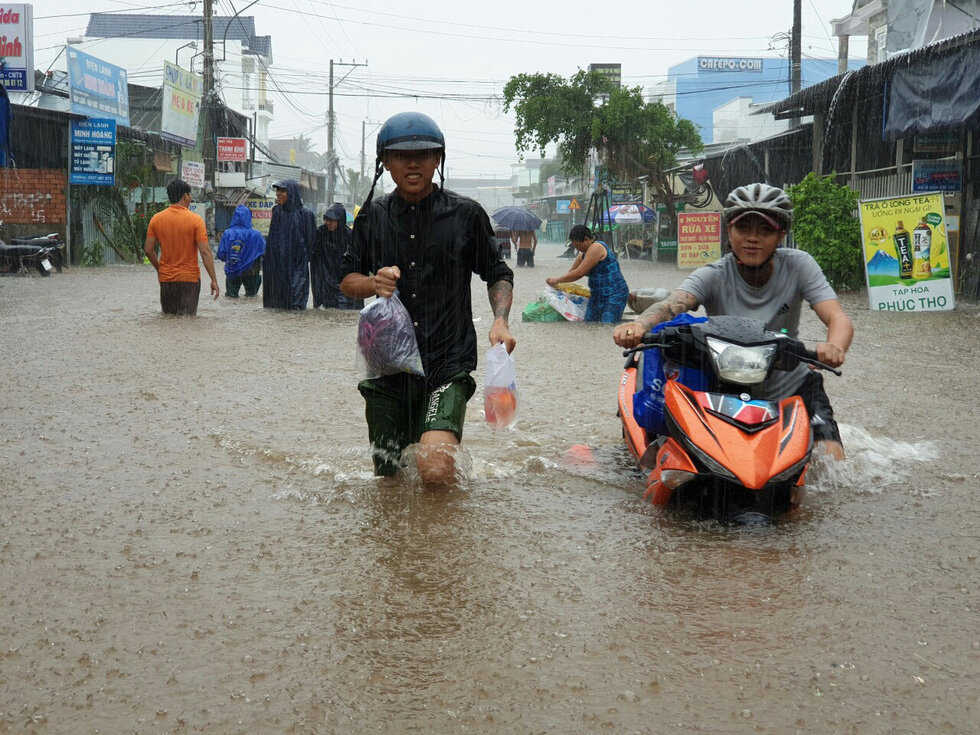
[(670, 457), (753, 458)]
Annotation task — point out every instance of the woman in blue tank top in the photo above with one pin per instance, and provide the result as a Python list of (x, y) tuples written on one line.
[(606, 282)]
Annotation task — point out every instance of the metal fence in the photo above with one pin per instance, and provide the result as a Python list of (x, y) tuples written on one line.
[(879, 183)]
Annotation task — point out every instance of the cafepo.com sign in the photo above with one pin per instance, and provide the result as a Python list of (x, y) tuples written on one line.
[(729, 63)]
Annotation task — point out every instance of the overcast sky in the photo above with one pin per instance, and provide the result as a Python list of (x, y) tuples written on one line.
[(450, 59)]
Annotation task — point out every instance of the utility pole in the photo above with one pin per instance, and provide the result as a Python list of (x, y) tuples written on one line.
[(331, 156), (795, 53), (363, 124), (207, 110)]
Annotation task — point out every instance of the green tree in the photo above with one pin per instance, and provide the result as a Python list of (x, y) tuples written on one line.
[(825, 225), (586, 112), (124, 231)]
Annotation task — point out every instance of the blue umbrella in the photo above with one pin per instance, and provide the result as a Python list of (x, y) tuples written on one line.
[(516, 218)]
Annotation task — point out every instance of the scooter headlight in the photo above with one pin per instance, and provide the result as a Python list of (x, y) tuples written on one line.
[(738, 364)]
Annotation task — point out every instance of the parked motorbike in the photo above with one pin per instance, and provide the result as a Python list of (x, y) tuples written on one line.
[(23, 254), (724, 453)]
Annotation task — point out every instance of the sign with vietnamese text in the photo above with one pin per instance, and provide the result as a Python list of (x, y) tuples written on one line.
[(906, 253), (232, 149), (181, 105), (619, 194), (936, 175), (193, 173), (561, 206), (727, 63), (93, 152), (261, 209), (944, 142), (97, 88), (17, 47), (698, 238)]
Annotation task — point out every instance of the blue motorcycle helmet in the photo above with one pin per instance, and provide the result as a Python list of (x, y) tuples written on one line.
[(408, 131)]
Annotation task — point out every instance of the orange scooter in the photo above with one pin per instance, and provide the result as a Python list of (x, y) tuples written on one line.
[(729, 455)]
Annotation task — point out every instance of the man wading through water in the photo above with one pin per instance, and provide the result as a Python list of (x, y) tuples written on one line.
[(426, 242), (181, 235)]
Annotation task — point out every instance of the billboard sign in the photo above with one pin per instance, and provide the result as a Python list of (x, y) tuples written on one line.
[(232, 149), (97, 88), (93, 152), (907, 253), (698, 238), (181, 105), (17, 47), (193, 173), (261, 209), (936, 175), (727, 63)]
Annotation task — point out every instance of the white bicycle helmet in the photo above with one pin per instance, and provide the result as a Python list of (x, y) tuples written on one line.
[(770, 202)]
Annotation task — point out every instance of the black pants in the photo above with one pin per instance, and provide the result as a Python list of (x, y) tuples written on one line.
[(250, 279), (822, 422), (179, 297), (525, 256)]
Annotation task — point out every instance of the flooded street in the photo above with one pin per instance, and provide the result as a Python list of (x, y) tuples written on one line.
[(192, 539)]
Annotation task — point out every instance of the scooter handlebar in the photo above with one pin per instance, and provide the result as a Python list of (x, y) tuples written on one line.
[(809, 357), (650, 341)]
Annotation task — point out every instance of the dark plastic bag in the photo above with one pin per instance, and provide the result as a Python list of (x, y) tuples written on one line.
[(655, 371), (386, 342)]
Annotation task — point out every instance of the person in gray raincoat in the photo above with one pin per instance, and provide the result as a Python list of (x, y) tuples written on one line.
[(292, 235), (332, 239)]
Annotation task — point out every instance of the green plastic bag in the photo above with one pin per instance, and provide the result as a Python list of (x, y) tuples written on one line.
[(541, 311)]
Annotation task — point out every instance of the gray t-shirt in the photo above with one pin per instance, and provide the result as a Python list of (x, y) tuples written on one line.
[(795, 277)]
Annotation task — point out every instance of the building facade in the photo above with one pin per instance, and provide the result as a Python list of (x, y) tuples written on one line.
[(696, 88), (242, 58)]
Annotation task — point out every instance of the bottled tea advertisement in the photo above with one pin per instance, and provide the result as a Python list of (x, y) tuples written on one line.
[(906, 253)]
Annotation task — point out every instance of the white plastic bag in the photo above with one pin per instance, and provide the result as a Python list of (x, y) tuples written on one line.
[(386, 341), (569, 305), (500, 388)]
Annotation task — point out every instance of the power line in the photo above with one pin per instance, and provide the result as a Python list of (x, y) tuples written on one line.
[(141, 8)]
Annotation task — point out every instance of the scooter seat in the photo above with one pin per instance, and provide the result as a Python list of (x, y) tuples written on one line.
[(44, 242), (20, 251)]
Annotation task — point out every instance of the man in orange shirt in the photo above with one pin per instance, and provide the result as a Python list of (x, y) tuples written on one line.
[(181, 235)]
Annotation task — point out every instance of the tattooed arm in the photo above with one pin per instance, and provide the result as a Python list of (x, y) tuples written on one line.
[(501, 297), (630, 334)]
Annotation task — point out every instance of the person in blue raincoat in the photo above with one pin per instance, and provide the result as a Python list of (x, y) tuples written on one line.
[(286, 265), (332, 240), (241, 249)]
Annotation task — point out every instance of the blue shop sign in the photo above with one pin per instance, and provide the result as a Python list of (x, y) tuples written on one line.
[(93, 152), (936, 175), (97, 88), (561, 206)]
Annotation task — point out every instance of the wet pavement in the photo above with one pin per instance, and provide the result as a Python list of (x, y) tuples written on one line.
[(191, 538)]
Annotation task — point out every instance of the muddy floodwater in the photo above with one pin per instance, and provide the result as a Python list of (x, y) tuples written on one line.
[(191, 539)]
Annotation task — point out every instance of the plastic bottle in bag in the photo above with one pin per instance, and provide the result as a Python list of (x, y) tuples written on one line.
[(500, 388)]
